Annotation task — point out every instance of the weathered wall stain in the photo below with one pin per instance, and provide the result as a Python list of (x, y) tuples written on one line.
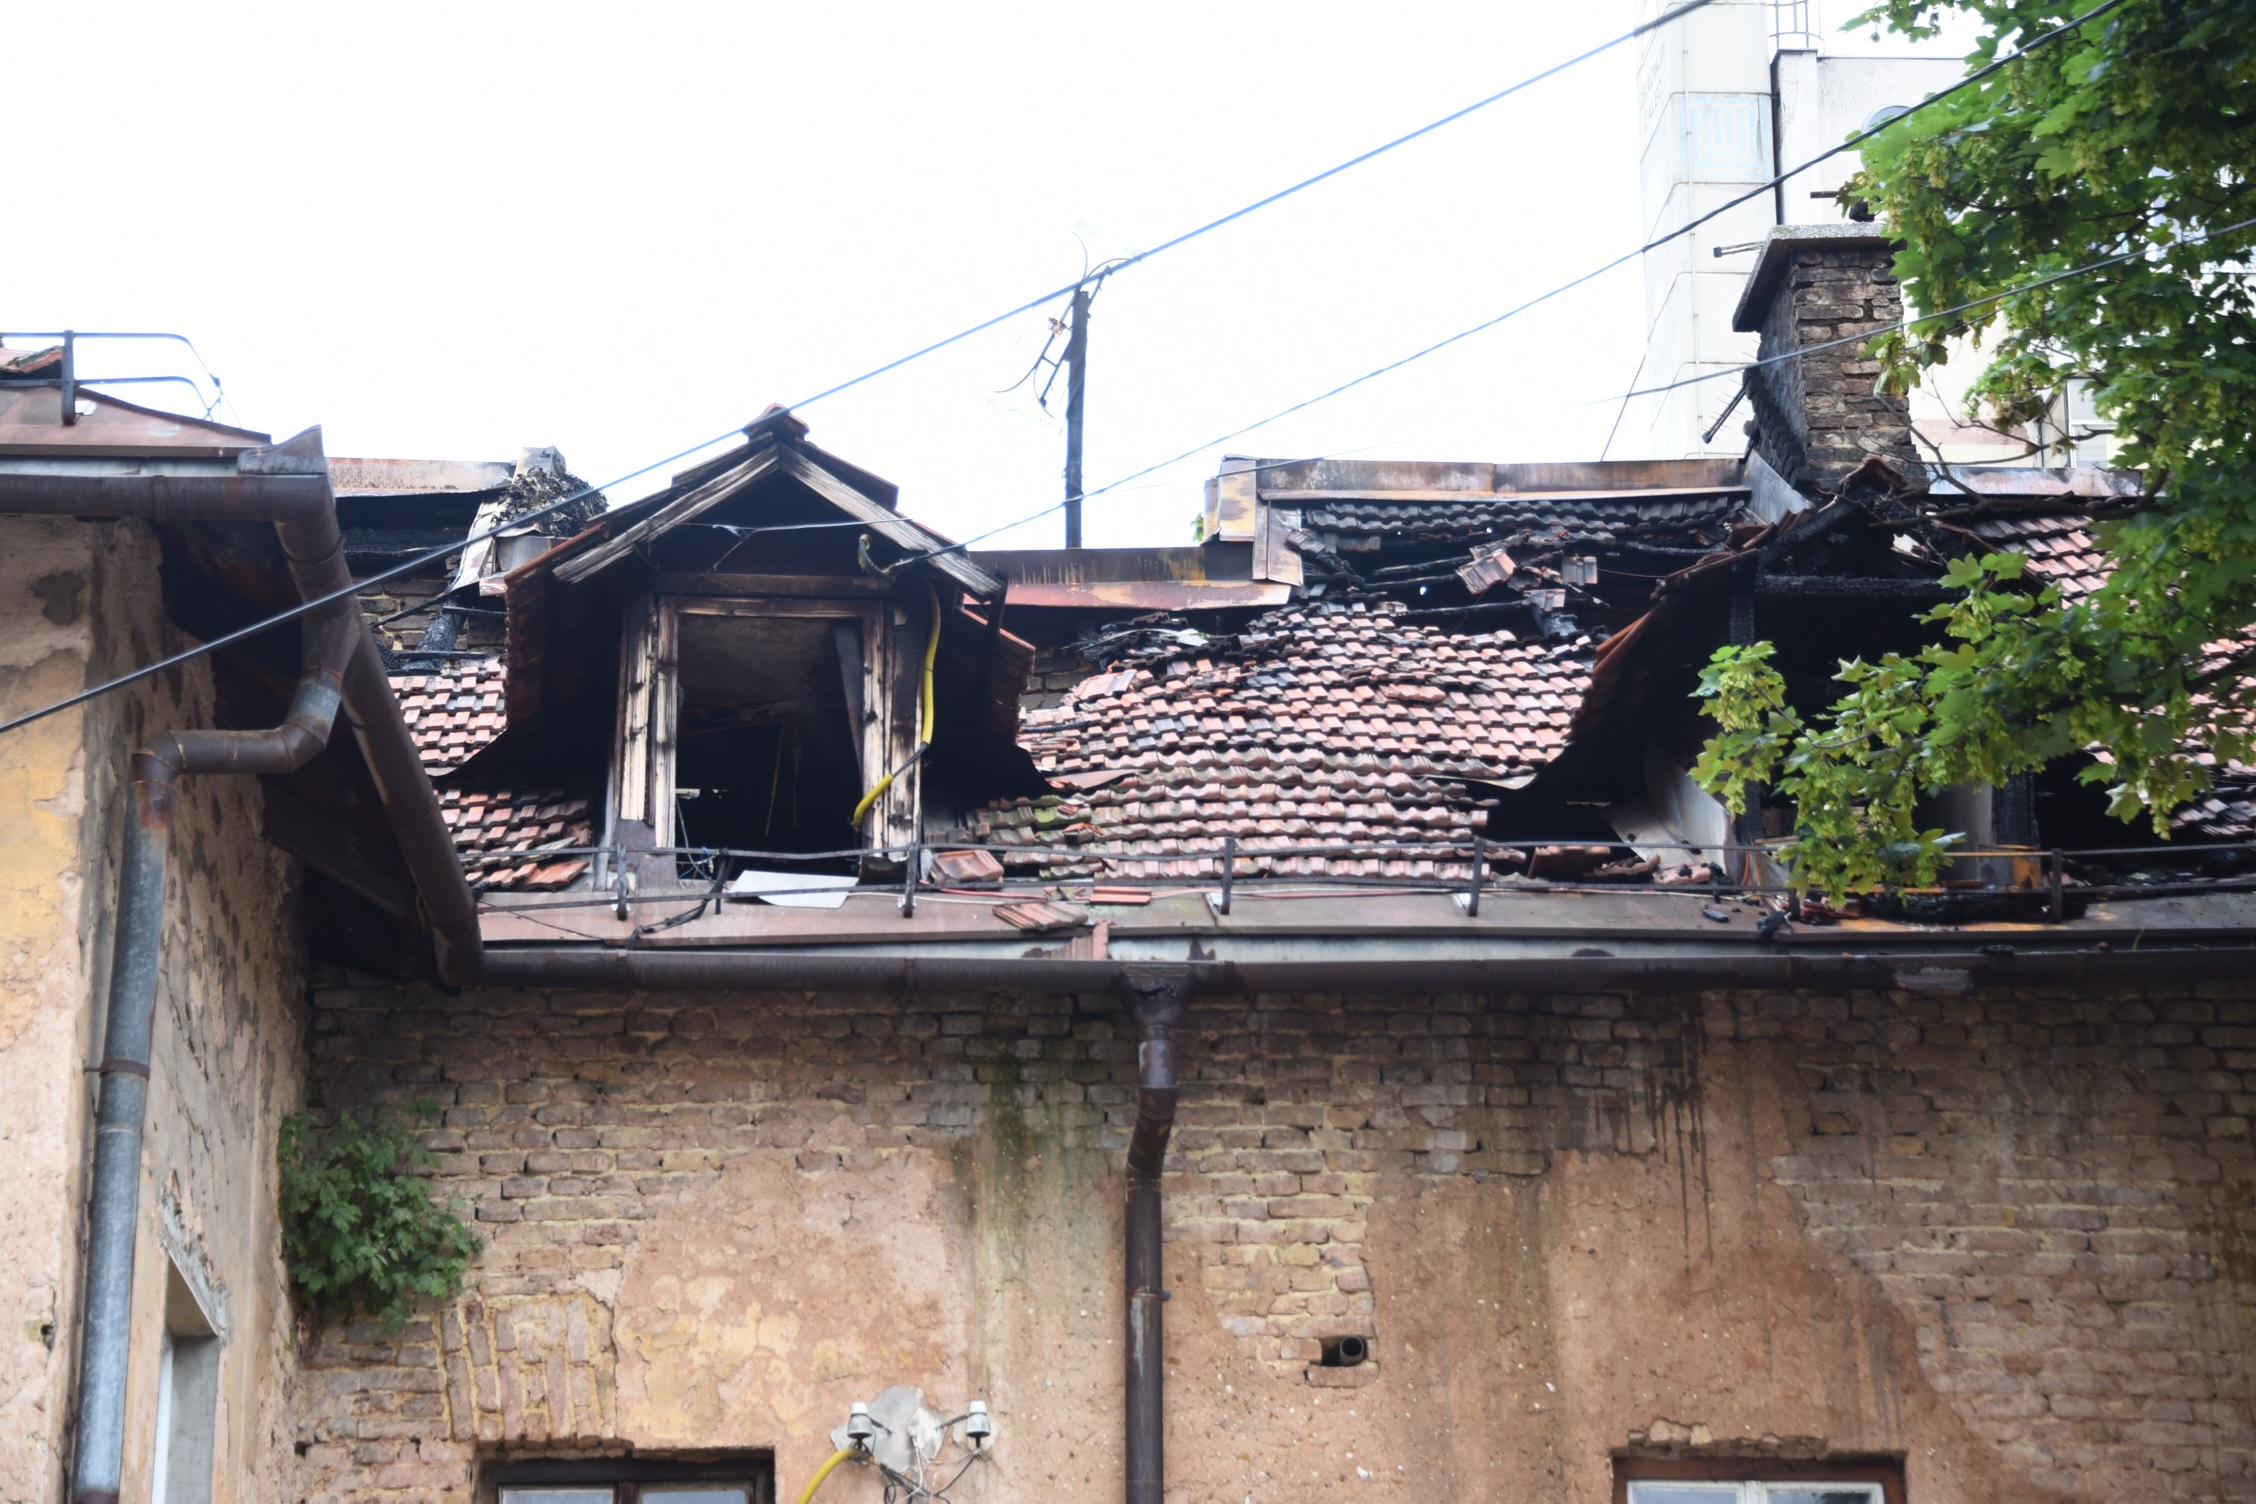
[(1572, 1227), (227, 1054)]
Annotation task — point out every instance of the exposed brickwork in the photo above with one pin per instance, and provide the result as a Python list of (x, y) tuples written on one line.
[(1819, 416), (1056, 670), (2053, 1193), (2061, 1196)]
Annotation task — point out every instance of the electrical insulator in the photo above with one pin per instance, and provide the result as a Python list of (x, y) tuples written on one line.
[(976, 1424)]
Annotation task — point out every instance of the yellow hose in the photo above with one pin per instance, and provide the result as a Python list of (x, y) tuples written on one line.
[(841, 1455), (931, 656), (924, 729)]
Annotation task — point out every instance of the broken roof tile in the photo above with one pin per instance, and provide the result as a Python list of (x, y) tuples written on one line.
[(452, 715), (490, 826), (1408, 765)]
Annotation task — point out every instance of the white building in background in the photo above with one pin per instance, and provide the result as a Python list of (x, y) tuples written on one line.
[(1729, 97)]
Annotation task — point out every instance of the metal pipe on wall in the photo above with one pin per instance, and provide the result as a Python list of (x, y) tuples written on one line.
[(286, 485), (114, 1195), (889, 970), (1158, 999)]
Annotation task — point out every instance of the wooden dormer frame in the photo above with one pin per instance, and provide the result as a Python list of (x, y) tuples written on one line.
[(641, 795)]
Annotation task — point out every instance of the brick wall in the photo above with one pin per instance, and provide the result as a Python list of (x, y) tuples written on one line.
[(481, 632), (2009, 1238), (2057, 1194), (1819, 416), (1056, 670)]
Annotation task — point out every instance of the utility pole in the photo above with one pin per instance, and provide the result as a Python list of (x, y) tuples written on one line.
[(1076, 392)]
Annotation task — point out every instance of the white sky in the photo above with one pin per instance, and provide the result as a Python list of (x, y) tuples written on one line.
[(455, 230)]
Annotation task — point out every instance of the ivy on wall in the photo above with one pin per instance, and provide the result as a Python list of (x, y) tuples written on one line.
[(361, 1232)]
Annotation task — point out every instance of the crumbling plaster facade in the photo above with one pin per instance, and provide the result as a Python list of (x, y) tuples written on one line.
[(2005, 1237), (83, 602)]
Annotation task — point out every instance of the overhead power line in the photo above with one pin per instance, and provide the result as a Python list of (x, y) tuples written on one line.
[(406, 566), (1909, 323), (1716, 375), (1187, 236), (1120, 264), (2042, 40)]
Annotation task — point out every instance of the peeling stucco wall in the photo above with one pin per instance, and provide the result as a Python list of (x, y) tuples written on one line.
[(80, 602), (1964, 1231), (45, 976)]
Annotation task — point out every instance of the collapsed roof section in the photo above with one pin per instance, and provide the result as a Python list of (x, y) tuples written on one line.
[(1336, 724), (1455, 631), (1433, 658)]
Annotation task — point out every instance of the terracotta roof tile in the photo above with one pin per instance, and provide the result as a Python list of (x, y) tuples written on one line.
[(2062, 551), (1360, 525), (1321, 725), (454, 714), (2059, 546), (492, 826)]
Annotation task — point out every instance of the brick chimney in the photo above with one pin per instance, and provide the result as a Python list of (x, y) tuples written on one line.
[(1818, 417)]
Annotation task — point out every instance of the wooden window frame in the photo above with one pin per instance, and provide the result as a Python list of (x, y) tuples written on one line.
[(642, 781), (1884, 1472)]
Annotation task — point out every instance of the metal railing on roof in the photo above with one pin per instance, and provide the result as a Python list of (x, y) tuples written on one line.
[(67, 377), (1222, 874)]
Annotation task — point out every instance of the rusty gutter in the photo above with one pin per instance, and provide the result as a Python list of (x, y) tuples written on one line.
[(1159, 995), (287, 485), (903, 973)]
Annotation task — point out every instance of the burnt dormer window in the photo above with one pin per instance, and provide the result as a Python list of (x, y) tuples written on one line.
[(754, 726)]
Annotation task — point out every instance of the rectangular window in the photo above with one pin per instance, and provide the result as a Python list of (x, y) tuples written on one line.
[(187, 1399), (1754, 1493), (768, 732), (1673, 1481), (757, 725), (636, 1481)]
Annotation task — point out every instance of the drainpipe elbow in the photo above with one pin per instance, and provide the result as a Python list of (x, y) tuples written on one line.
[(1158, 999)]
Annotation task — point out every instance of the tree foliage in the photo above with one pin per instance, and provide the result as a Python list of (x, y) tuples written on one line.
[(2134, 132), (360, 1232)]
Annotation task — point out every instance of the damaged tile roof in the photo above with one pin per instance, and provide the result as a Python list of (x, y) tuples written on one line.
[(492, 825), (1323, 724), (2061, 551), (2059, 546), (453, 714), (1362, 526)]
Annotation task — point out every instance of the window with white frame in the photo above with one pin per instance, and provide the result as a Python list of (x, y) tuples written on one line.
[(632, 1493), (637, 1481), (1812, 1489), (181, 1463)]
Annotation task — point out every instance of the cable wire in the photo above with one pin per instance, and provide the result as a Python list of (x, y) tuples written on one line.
[(1908, 324), (348, 592), (2042, 40), (1187, 236), (1122, 263)]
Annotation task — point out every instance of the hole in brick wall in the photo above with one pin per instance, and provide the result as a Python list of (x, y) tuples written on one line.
[(1344, 1352)]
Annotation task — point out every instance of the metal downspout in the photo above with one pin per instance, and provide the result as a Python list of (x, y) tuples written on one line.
[(113, 1200), (287, 485), (1158, 997)]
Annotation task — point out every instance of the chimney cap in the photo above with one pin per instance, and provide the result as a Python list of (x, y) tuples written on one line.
[(1779, 246)]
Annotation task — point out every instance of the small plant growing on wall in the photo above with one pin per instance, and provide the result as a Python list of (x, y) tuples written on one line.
[(361, 1232)]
